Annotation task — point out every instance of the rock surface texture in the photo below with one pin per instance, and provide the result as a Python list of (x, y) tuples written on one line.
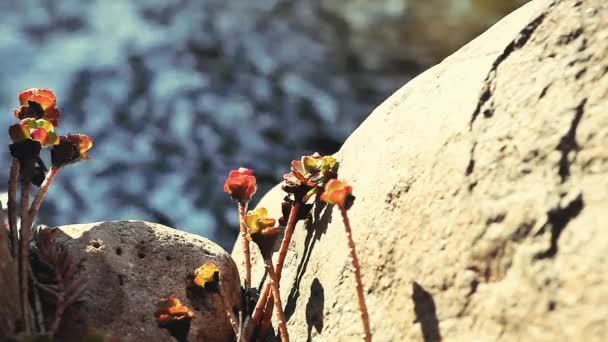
[(130, 266), (482, 196)]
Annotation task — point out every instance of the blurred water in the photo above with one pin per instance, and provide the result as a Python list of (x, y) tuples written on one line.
[(177, 93)]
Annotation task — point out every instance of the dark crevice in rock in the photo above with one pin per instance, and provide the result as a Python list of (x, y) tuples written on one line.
[(471, 164), (544, 91), (568, 143), (516, 44), (488, 85), (580, 73), (568, 38), (557, 220), (426, 313)]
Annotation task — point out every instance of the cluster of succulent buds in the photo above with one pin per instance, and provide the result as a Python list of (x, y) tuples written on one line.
[(39, 117), (309, 175)]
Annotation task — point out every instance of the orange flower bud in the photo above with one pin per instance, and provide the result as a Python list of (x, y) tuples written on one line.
[(171, 310), (339, 193)]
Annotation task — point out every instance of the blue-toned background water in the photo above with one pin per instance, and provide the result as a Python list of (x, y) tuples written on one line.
[(177, 93)]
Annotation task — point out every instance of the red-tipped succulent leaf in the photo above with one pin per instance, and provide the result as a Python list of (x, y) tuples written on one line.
[(71, 148)]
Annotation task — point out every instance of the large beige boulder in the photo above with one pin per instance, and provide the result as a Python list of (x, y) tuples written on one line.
[(482, 196), (130, 266)]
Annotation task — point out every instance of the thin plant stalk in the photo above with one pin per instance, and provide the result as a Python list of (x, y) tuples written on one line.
[(291, 224), (224, 298), (25, 199), (242, 208), (12, 204), (357, 268), (23, 260), (42, 191), (266, 297), (267, 318), (26, 229), (281, 321), (38, 314)]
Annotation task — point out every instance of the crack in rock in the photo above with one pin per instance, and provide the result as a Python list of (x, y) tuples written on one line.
[(518, 43), (568, 143), (557, 220), (487, 91)]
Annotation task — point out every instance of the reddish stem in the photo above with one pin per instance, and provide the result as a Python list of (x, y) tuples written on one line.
[(26, 230), (12, 204), (357, 267), (281, 321), (262, 304), (291, 224), (24, 265), (229, 314), (242, 207), (37, 202)]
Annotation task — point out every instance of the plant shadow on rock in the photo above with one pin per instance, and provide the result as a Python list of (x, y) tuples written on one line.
[(314, 308), (315, 227), (426, 314)]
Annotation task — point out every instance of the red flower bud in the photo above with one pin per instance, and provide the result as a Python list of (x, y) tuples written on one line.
[(240, 185)]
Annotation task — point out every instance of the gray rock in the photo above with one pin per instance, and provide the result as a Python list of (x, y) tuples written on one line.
[(130, 266), (481, 196)]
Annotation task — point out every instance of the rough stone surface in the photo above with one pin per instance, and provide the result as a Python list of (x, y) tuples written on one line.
[(130, 266), (481, 196)]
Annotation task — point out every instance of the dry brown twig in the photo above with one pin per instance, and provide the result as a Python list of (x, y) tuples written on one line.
[(64, 286)]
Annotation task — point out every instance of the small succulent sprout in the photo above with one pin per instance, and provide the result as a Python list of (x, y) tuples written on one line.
[(262, 230), (175, 317), (207, 276), (37, 104), (338, 192), (258, 219), (241, 185), (28, 137), (71, 148), (171, 310)]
